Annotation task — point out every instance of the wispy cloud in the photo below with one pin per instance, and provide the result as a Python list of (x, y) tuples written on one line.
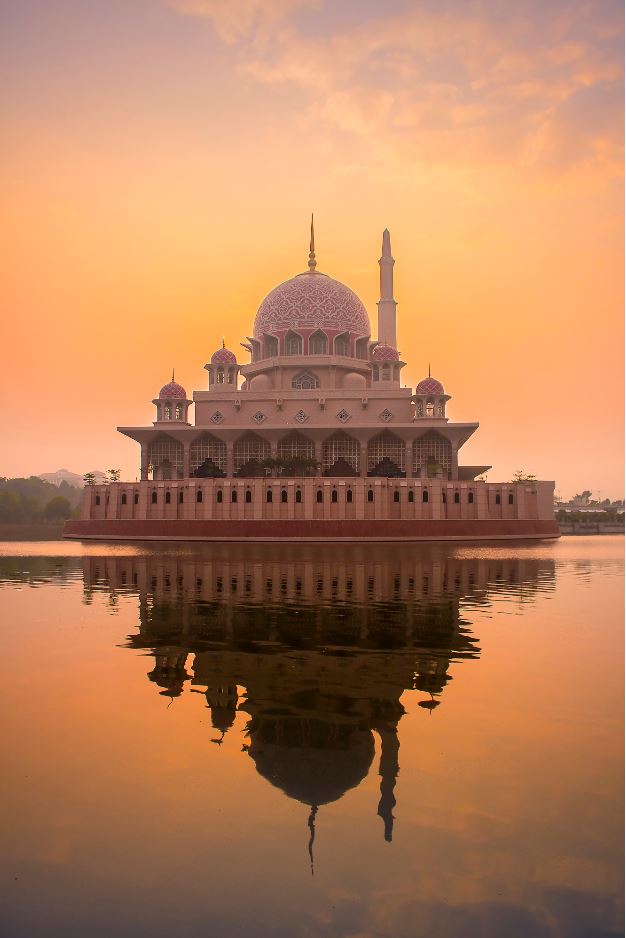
[(477, 81)]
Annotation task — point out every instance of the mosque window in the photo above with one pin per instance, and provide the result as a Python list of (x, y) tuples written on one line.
[(305, 382), (318, 343), (510, 498), (168, 412), (370, 495), (283, 496), (248, 496), (168, 498), (271, 346), (249, 452), (269, 497), (342, 346), (340, 455), (430, 409), (333, 496), (298, 496), (425, 495), (153, 498), (411, 495), (443, 497), (123, 498), (293, 344), (319, 498), (136, 498), (219, 498), (166, 455), (220, 376), (233, 496), (199, 495), (97, 499), (470, 498), (386, 373), (457, 498), (498, 499), (361, 348), (208, 452), (375, 373), (231, 376), (396, 496), (349, 496), (386, 455), (433, 453), (179, 411), (181, 497)]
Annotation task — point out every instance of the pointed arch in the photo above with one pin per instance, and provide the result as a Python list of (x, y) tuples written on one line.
[(340, 455), (305, 381), (249, 452), (432, 452), (165, 455), (207, 457), (386, 456), (293, 343), (318, 343)]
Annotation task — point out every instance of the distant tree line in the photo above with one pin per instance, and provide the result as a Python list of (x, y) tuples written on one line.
[(610, 516), (24, 501)]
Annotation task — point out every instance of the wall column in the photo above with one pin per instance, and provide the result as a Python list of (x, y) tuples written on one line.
[(363, 460), (229, 459), (186, 460), (144, 462), (454, 461), (409, 459), (318, 456)]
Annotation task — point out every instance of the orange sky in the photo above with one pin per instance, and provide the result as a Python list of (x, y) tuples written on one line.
[(161, 159)]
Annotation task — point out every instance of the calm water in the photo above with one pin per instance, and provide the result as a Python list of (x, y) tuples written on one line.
[(338, 741)]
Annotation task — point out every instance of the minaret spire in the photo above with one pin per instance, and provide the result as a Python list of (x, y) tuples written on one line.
[(388, 771), (386, 304), (312, 261), (172, 374), (311, 823)]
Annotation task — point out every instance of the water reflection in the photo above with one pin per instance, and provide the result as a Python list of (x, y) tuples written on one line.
[(316, 646)]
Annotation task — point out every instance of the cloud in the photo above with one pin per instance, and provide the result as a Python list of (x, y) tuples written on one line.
[(476, 81)]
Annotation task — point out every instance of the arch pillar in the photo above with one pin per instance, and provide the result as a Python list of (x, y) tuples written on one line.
[(144, 463), (363, 459), (229, 459), (186, 459), (408, 458), (318, 457)]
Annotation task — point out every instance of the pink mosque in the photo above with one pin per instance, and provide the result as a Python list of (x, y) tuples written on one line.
[(314, 438)]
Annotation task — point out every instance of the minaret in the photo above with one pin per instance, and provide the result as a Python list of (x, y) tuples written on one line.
[(386, 303), (388, 771)]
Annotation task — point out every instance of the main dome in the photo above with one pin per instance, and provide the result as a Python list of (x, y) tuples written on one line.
[(312, 301)]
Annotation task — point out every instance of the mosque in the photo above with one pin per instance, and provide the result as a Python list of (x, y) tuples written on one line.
[(314, 438)]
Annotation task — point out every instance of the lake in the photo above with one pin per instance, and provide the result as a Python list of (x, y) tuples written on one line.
[(309, 740)]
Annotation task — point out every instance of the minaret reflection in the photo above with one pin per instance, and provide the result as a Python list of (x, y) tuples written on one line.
[(321, 647)]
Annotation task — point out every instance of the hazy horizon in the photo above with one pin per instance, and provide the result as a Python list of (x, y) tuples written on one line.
[(161, 161)]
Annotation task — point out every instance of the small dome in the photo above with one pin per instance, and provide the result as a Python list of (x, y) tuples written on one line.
[(312, 301), (429, 386), (385, 353), (173, 391), (223, 356)]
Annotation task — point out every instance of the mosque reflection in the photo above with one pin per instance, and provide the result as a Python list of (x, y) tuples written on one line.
[(317, 645)]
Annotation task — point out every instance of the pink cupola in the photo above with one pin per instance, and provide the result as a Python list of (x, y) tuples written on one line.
[(223, 369), (386, 365), (172, 404), (430, 398)]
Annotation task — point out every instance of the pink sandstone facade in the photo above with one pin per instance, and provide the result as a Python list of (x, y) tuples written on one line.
[(313, 439)]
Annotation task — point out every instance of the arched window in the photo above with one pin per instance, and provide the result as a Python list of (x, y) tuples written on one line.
[(386, 455), (220, 376), (318, 343), (349, 496), (443, 497), (283, 496), (271, 346), (333, 496), (293, 344), (411, 495), (340, 455), (430, 409), (123, 498), (231, 375), (248, 496), (179, 411), (199, 495), (510, 498), (233, 496), (219, 498), (153, 498), (375, 372), (167, 412), (425, 495), (396, 496), (470, 498), (361, 348), (433, 453), (97, 499), (136, 498), (386, 373), (305, 382), (269, 497), (342, 346), (298, 496), (181, 497), (457, 498), (168, 498), (207, 457), (370, 495), (249, 452), (497, 499), (319, 498), (165, 455)]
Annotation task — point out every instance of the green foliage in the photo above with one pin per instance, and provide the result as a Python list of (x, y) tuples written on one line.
[(23, 501), (112, 475), (58, 509), (520, 476), (89, 478), (611, 516)]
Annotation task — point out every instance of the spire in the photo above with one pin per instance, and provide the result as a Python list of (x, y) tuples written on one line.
[(386, 303), (172, 374), (429, 369), (386, 252), (312, 261), (223, 342), (311, 823)]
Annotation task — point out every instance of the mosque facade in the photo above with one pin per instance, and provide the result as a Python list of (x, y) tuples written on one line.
[(315, 437)]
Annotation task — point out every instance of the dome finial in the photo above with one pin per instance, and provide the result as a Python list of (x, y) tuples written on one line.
[(429, 374), (312, 261), (172, 374), (223, 341)]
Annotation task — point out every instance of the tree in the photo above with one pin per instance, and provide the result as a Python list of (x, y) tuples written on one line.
[(58, 509), (113, 475), (89, 478), (520, 476)]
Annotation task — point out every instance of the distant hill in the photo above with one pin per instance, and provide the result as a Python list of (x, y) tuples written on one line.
[(72, 478)]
